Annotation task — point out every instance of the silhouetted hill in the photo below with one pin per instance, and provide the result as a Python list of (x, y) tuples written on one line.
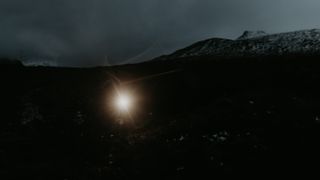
[(208, 117), (10, 62)]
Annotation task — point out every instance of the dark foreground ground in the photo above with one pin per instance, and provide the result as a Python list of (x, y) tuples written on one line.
[(207, 118)]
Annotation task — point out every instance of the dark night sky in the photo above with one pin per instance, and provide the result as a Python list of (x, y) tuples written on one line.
[(103, 32)]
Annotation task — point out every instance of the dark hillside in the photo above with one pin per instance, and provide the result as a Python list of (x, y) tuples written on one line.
[(194, 116)]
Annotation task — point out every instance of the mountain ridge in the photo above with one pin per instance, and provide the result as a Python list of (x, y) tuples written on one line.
[(252, 34), (253, 44)]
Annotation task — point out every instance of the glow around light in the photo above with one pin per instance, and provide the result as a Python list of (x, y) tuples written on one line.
[(123, 102)]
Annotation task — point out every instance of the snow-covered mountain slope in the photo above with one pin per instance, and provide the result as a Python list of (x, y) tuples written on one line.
[(254, 44), (252, 34)]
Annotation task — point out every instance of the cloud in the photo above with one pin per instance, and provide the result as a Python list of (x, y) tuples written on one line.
[(100, 32)]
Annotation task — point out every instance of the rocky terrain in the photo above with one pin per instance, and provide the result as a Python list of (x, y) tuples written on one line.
[(207, 118), (220, 107)]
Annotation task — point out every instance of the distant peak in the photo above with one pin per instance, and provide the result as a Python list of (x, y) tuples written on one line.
[(252, 34)]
